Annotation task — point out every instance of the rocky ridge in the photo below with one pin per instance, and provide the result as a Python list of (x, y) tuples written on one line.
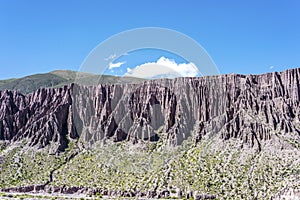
[(252, 108)]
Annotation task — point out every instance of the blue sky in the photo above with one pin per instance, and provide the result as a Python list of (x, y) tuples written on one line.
[(241, 36), (139, 57)]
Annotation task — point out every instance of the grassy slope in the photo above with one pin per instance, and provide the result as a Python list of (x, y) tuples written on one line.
[(59, 78), (212, 167)]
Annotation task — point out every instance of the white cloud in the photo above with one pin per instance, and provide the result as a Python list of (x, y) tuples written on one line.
[(271, 67), (115, 65), (111, 57), (164, 68), (129, 70)]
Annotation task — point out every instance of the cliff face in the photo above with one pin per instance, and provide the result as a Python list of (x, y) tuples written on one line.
[(252, 108), (41, 117)]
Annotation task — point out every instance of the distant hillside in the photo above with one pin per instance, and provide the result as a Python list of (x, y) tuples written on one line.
[(59, 78)]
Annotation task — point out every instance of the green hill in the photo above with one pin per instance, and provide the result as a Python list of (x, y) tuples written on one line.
[(59, 78)]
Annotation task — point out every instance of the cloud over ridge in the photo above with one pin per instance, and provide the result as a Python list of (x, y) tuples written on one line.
[(164, 67), (115, 65)]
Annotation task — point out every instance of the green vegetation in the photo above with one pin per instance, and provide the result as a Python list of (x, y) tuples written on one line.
[(210, 167), (25, 166), (226, 172), (59, 78)]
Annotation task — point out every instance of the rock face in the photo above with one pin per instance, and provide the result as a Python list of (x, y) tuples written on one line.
[(42, 117), (252, 108)]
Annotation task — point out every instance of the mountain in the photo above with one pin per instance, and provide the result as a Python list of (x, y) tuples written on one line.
[(59, 78), (226, 137)]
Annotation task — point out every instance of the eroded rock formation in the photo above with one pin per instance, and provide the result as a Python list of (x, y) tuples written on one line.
[(253, 108)]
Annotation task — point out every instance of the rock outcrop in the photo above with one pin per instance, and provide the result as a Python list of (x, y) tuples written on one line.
[(41, 117), (252, 108)]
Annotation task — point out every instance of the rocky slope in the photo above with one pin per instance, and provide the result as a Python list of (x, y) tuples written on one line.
[(252, 108), (252, 113)]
